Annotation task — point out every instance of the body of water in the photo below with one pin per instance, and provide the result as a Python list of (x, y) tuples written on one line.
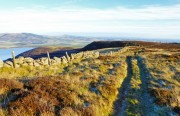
[(6, 53)]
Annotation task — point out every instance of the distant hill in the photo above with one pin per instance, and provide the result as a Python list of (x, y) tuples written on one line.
[(106, 44), (26, 38), (30, 40), (60, 51), (9, 40), (110, 44), (53, 51)]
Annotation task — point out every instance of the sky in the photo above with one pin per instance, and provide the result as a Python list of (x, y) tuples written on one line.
[(133, 18)]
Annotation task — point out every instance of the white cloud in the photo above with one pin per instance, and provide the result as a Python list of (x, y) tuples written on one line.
[(40, 19)]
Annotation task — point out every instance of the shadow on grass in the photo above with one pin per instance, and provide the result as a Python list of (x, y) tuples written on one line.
[(120, 103), (146, 100)]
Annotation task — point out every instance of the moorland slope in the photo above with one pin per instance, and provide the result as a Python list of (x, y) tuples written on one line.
[(133, 80)]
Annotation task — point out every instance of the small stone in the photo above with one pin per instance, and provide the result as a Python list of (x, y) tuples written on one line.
[(111, 71), (162, 83), (86, 104), (116, 65)]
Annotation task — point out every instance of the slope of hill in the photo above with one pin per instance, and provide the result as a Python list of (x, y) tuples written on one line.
[(109, 44), (22, 39), (29, 40), (127, 82), (56, 51), (42, 52), (34, 40)]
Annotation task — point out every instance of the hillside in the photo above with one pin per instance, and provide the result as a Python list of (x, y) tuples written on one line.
[(23, 39), (9, 40), (53, 50), (110, 44), (29, 40), (56, 51), (111, 81)]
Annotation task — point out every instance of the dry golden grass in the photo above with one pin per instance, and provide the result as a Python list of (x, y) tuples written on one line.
[(88, 87), (164, 68)]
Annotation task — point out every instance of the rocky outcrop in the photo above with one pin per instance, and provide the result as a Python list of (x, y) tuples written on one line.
[(21, 61), (44, 61)]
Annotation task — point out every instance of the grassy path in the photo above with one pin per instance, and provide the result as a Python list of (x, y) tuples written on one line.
[(133, 98), (121, 103), (146, 100)]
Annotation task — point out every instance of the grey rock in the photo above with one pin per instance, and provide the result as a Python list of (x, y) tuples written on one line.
[(44, 61), (64, 60), (25, 64), (111, 71), (72, 57), (36, 64), (162, 83), (86, 104), (30, 63), (28, 60), (116, 65), (20, 60), (56, 59)]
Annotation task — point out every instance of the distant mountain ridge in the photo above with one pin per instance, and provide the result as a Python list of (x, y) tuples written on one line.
[(29, 40), (9, 40), (23, 37)]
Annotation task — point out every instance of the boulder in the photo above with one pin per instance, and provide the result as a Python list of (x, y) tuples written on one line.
[(56, 59), (30, 64), (53, 62), (28, 60), (25, 64), (72, 57), (44, 61), (36, 64), (20, 60), (64, 60)]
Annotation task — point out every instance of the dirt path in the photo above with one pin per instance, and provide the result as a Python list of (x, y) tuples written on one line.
[(145, 105), (146, 100), (120, 105)]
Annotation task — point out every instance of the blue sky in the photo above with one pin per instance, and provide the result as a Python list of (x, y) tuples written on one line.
[(134, 18), (86, 3)]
